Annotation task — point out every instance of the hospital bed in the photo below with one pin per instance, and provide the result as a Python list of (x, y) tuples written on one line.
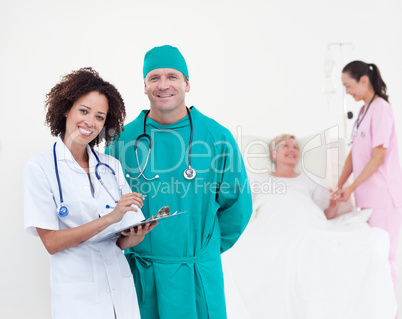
[(293, 263)]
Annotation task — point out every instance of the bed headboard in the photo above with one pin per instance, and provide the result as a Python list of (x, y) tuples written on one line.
[(321, 155)]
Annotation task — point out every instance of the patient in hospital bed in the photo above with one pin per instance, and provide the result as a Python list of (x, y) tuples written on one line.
[(284, 152), (298, 260)]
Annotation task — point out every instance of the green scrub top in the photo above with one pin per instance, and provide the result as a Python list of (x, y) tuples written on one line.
[(177, 267)]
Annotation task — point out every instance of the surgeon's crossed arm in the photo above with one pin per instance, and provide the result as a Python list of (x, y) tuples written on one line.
[(58, 240)]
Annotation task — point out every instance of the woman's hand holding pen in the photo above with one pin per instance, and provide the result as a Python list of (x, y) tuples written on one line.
[(58, 240), (125, 204)]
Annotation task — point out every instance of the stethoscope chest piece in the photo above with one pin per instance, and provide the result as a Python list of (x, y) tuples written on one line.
[(62, 211), (189, 173)]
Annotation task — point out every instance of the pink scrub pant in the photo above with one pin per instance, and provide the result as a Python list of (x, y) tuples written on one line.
[(389, 219)]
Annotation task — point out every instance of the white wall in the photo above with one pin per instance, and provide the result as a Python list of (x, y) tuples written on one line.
[(255, 64)]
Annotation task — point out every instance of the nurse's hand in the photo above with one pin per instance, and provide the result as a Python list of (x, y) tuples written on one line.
[(335, 194), (124, 205), (135, 235), (344, 194)]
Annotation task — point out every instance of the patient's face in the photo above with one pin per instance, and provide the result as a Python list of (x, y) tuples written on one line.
[(287, 152)]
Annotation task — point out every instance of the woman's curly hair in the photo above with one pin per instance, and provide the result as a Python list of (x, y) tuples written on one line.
[(63, 95)]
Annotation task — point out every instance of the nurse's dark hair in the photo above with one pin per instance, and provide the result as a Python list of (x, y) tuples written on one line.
[(357, 69), (72, 86)]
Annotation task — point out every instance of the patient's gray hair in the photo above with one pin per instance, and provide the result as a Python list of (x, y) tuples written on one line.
[(273, 144)]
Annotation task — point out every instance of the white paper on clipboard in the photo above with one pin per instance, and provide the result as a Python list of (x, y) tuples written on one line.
[(114, 232), (149, 220)]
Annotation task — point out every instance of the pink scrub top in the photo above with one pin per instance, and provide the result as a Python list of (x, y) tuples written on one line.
[(377, 128)]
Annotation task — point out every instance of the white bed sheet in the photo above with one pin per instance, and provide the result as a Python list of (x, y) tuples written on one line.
[(291, 262)]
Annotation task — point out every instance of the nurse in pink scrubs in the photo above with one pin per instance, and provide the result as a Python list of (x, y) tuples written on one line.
[(373, 159)]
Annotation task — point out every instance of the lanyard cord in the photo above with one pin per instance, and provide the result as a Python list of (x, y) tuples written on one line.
[(359, 122)]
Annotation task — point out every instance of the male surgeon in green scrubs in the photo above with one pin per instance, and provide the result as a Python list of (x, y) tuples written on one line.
[(177, 267)]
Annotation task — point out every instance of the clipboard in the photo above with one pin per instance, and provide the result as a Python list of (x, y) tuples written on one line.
[(114, 231), (149, 220)]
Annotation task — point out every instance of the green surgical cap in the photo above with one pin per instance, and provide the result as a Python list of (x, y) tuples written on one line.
[(164, 57)]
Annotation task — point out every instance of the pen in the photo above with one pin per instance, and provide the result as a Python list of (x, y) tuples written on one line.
[(142, 197)]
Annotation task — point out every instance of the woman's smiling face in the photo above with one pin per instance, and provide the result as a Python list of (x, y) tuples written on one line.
[(86, 118), (287, 152)]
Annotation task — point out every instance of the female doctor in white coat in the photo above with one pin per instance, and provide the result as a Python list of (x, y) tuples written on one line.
[(66, 204)]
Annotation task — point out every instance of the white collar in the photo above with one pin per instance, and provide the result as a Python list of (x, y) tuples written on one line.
[(64, 154)]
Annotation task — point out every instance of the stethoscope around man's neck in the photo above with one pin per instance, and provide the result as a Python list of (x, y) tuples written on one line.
[(189, 172)]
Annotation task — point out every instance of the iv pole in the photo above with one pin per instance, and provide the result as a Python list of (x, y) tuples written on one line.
[(340, 45)]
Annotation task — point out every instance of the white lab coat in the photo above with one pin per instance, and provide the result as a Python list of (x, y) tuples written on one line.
[(91, 280)]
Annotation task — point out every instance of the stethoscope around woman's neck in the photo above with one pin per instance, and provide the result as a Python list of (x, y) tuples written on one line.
[(62, 210), (189, 172), (357, 122)]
